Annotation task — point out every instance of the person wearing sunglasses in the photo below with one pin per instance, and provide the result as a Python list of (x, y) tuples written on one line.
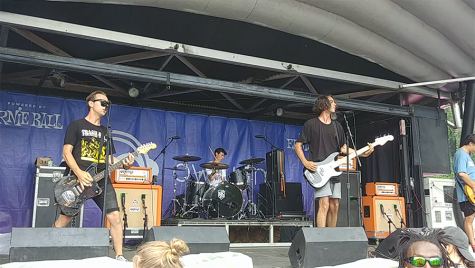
[(82, 143), (425, 249), (458, 248)]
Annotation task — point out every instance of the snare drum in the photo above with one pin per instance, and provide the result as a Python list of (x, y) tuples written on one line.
[(238, 178), (224, 200)]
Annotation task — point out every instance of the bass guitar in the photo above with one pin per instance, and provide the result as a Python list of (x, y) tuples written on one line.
[(326, 169), (67, 191), (469, 193)]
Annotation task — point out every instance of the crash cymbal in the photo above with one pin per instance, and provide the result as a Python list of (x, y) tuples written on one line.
[(186, 158), (251, 161), (214, 165), (175, 168)]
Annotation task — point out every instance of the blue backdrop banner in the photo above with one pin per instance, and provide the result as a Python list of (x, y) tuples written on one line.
[(34, 126)]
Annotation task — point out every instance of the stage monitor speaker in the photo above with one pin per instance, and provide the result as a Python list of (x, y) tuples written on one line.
[(355, 201), (39, 244), (200, 239), (315, 247), (292, 201), (275, 165), (388, 248)]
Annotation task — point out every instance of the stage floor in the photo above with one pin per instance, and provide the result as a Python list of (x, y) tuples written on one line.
[(262, 257)]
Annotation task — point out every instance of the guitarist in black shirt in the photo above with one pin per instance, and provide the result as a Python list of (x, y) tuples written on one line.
[(324, 137), (81, 149)]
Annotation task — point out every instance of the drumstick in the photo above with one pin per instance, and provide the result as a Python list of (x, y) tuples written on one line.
[(211, 150)]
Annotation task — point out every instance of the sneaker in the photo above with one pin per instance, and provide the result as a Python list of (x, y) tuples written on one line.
[(121, 258)]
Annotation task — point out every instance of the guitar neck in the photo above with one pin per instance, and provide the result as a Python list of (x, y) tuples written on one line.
[(343, 160), (99, 176)]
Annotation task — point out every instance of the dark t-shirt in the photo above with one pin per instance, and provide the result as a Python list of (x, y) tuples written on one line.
[(86, 140), (321, 138)]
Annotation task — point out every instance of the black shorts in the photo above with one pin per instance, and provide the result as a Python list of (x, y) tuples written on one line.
[(467, 208), (111, 199)]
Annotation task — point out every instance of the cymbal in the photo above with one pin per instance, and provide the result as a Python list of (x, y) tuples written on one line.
[(186, 158), (175, 168), (251, 161), (214, 165)]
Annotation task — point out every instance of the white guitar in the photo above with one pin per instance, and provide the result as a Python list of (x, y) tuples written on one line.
[(327, 168)]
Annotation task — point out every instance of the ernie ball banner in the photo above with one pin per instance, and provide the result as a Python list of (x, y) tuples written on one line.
[(134, 175)]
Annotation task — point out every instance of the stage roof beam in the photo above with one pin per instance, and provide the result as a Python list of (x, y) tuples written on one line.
[(97, 34), (146, 75)]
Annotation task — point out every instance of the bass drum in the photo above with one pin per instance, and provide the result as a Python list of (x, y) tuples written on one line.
[(224, 200)]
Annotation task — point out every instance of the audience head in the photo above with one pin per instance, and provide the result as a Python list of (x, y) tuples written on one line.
[(425, 249), (160, 254), (458, 246)]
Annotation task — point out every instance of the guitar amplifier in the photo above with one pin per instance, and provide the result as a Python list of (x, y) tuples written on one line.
[(45, 212), (133, 175), (133, 197)]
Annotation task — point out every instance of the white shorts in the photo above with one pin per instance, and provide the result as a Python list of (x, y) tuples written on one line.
[(331, 189)]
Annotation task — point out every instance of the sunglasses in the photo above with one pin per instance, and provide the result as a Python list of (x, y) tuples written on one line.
[(420, 261), (104, 103)]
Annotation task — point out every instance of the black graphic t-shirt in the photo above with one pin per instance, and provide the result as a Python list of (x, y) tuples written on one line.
[(85, 138), (321, 138)]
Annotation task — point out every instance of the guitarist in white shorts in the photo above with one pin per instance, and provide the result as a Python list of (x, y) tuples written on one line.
[(464, 170), (324, 137)]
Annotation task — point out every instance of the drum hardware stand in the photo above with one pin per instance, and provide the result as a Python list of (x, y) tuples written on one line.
[(251, 207), (176, 207)]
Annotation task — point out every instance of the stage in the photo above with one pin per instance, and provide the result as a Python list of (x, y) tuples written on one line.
[(257, 233)]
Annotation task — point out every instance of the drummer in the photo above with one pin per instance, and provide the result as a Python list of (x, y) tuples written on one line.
[(216, 176)]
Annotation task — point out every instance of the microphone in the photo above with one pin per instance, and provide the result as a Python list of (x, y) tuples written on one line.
[(395, 208), (344, 112), (122, 199), (381, 207), (174, 138), (261, 137)]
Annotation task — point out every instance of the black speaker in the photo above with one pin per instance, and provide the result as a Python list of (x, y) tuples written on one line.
[(200, 239), (275, 165), (315, 247), (39, 244), (388, 248), (291, 202), (355, 201)]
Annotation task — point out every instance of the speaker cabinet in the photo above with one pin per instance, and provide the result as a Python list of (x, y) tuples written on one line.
[(292, 201), (200, 239), (275, 165), (134, 197), (315, 247), (355, 201), (39, 244), (376, 223)]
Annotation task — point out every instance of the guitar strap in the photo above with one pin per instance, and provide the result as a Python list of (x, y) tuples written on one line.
[(461, 187), (336, 134), (282, 178)]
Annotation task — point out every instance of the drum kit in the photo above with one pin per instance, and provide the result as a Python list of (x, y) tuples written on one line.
[(225, 200)]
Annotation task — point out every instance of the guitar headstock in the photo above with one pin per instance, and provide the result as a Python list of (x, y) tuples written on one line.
[(382, 140), (144, 148)]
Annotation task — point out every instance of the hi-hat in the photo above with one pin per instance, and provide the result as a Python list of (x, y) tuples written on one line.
[(175, 168), (214, 165), (186, 158), (251, 161)]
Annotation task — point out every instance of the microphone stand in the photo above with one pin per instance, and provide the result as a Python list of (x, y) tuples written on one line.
[(163, 165), (273, 147), (106, 170), (348, 138)]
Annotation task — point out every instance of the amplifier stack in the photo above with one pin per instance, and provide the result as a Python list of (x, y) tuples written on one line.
[(140, 202)]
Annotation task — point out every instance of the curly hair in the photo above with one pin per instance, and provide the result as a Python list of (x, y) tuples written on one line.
[(322, 104), (433, 236)]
